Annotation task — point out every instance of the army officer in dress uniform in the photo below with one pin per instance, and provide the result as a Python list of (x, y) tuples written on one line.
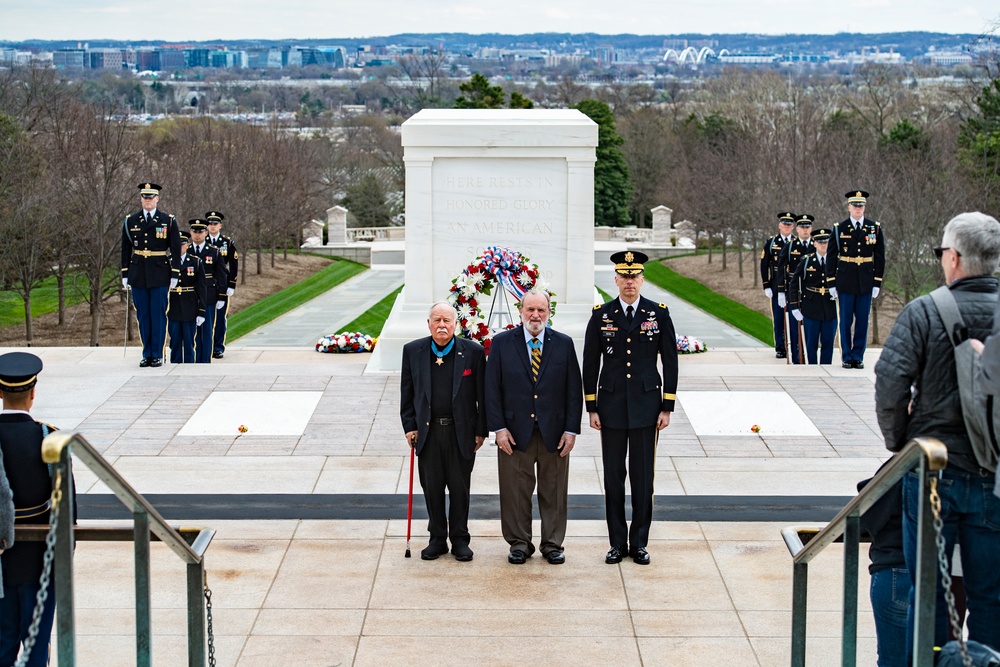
[(31, 486), (151, 244), (227, 247), (860, 251), (774, 280), (800, 247), (812, 298), (629, 399), (216, 279), (187, 305)]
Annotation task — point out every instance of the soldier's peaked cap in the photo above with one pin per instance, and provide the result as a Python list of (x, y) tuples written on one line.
[(198, 225), (629, 262), (149, 189), (215, 216), (857, 197), (786, 216), (805, 219), (19, 371), (821, 235)]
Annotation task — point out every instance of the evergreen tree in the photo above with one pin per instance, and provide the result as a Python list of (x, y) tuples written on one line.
[(979, 147), (612, 184), (477, 93), (366, 200)]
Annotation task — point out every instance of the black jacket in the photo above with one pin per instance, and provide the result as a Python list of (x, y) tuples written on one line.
[(216, 272), (884, 522), (809, 288), (863, 253), (770, 255), (468, 407), (790, 257), (150, 250), (188, 300), (918, 354)]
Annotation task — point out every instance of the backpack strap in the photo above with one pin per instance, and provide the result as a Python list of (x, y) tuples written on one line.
[(947, 308)]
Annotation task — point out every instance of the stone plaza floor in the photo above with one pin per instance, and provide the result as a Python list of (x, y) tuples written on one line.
[(305, 571)]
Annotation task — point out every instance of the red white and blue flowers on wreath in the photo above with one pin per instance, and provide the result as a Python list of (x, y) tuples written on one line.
[(347, 341), (513, 271)]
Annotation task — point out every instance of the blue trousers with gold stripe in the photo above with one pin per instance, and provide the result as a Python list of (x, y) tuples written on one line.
[(855, 310), (151, 312)]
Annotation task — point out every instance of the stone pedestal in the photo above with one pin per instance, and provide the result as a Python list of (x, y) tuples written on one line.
[(336, 225), (519, 178), (312, 234), (662, 222)]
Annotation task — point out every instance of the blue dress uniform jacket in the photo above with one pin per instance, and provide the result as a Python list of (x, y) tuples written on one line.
[(621, 381), (861, 256), (216, 272), (790, 257), (231, 258), (771, 274), (188, 300), (150, 249), (809, 289)]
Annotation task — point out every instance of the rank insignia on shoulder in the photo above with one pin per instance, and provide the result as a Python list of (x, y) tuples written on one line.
[(662, 305), (597, 307)]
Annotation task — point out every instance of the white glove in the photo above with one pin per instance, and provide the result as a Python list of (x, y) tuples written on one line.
[(219, 305), (797, 314), (833, 292), (781, 300), (124, 283), (230, 291), (198, 321), (768, 293), (173, 283), (875, 291)]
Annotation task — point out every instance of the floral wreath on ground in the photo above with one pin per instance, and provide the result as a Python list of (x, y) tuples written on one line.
[(512, 270), (346, 341), (690, 345)]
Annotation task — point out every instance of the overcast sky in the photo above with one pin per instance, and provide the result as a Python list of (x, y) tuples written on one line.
[(183, 20)]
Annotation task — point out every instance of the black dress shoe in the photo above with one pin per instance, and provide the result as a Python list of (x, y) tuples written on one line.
[(144, 363), (848, 364), (156, 362), (462, 552), (859, 364), (555, 557), (217, 355), (640, 556), (432, 551), (780, 354), (517, 557), (615, 555)]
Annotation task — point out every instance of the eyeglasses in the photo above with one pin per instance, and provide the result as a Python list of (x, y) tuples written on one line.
[(939, 251)]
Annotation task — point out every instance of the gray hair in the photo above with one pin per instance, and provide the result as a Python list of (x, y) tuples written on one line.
[(548, 297), (444, 304), (976, 236)]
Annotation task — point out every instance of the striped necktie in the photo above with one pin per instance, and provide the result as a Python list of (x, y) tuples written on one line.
[(536, 358)]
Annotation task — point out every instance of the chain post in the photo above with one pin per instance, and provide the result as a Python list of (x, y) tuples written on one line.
[(208, 616), (949, 595)]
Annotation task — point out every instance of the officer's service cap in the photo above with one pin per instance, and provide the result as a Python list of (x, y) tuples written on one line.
[(185, 237), (629, 262), (786, 216), (149, 189), (805, 220), (821, 235), (198, 225), (19, 371), (215, 216), (858, 197)]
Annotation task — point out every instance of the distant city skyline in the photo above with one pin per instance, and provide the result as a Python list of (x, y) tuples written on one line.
[(191, 20)]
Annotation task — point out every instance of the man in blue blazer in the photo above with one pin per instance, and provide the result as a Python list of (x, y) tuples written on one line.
[(441, 407), (534, 402)]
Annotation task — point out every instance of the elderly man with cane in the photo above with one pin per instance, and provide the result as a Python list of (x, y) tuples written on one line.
[(444, 419)]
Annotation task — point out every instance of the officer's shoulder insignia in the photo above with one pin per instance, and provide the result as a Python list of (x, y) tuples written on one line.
[(878, 224), (662, 305), (48, 426), (597, 307), (762, 253)]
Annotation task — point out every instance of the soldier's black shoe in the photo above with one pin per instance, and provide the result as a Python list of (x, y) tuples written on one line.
[(156, 362), (615, 555), (217, 355), (144, 363), (859, 364), (640, 556), (779, 354), (848, 364)]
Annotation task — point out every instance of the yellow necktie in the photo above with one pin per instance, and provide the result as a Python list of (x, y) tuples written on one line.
[(536, 358)]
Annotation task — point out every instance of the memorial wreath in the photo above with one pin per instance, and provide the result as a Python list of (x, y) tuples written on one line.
[(515, 274), (347, 341)]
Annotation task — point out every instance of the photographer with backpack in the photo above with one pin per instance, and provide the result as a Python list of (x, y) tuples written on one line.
[(918, 393)]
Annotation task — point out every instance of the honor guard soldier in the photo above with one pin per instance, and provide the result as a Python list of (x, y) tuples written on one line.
[(812, 298), (794, 252), (216, 279), (629, 399), (151, 243), (860, 251), (232, 259), (31, 488), (774, 280), (187, 305)]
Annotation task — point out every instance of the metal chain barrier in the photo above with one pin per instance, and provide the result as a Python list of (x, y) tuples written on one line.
[(43, 581), (949, 596), (208, 613)]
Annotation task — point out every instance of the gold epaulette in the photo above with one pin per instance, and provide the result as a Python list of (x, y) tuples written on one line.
[(663, 305), (597, 307)]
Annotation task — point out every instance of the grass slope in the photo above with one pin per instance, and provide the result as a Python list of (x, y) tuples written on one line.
[(371, 322), (727, 310), (272, 307)]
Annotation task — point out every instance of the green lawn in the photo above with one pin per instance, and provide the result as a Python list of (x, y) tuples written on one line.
[(44, 299), (371, 322), (272, 307), (746, 320)]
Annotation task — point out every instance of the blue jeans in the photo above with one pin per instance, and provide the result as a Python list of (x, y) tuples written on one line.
[(855, 310), (890, 595), (16, 609), (971, 515)]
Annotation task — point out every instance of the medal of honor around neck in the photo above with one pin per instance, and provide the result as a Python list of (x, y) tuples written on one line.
[(440, 354)]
